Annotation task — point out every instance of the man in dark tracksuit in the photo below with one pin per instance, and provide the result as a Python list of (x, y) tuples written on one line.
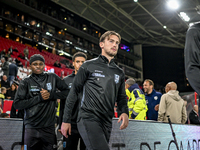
[(192, 57), (71, 143), (103, 83), (37, 95)]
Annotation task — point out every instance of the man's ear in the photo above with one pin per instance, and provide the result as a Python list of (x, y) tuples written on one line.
[(101, 44)]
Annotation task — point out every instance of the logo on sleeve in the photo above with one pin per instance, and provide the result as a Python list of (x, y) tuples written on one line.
[(49, 87), (116, 78)]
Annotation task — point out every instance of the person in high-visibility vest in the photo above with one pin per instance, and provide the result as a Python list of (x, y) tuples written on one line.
[(136, 100)]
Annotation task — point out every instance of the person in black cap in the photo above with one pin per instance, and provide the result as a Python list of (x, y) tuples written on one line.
[(37, 95)]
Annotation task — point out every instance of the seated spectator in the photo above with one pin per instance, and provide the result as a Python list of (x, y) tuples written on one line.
[(4, 115), (3, 52), (10, 50), (18, 63), (2, 96), (136, 100), (4, 82), (193, 116), (11, 92), (8, 55), (21, 56), (57, 64), (172, 105), (26, 52), (15, 50)]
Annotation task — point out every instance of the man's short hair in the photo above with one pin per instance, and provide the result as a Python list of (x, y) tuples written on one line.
[(108, 34), (130, 81), (4, 115), (79, 54), (3, 89), (150, 82)]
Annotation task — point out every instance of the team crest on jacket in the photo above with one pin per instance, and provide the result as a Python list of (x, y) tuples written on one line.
[(156, 97), (116, 78), (49, 86)]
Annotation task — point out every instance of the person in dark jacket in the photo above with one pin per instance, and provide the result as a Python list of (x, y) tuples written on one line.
[(192, 57), (37, 95), (10, 94), (193, 116), (72, 141), (102, 83), (153, 99), (4, 82), (5, 66), (13, 70)]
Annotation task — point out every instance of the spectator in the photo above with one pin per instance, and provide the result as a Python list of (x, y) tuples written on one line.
[(18, 63), (15, 50), (194, 116), (37, 95), (136, 102), (13, 70), (3, 52), (2, 97), (4, 115), (10, 50), (8, 55), (26, 52), (57, 64), (5, 66), (21, 56), (11, 92), (153, 99), (172, 105), (4, 82)]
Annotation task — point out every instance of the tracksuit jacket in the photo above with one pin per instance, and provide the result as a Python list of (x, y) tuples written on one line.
[(103, 84), (39, 112), (192, 56)]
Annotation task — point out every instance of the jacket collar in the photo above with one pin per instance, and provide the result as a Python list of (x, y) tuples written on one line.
[(152, 93), (133, 87), (105, 60)]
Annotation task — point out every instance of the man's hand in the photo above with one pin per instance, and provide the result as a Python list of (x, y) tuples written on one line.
[(66, 128), (124, 118), (45, 94), (156, 107)]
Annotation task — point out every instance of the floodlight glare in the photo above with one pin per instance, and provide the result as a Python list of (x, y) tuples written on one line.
[(173, 4), (135, 0), (184, 16)]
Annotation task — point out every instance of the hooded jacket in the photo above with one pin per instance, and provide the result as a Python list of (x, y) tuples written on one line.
[(171, 104), (136, 103)]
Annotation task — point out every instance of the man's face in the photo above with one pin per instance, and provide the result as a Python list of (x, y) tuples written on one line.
[(126, 86), (4, 78), (147, 87), (167, 88), (110, 46), (2, 60), (37, 67), (78, 62)]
